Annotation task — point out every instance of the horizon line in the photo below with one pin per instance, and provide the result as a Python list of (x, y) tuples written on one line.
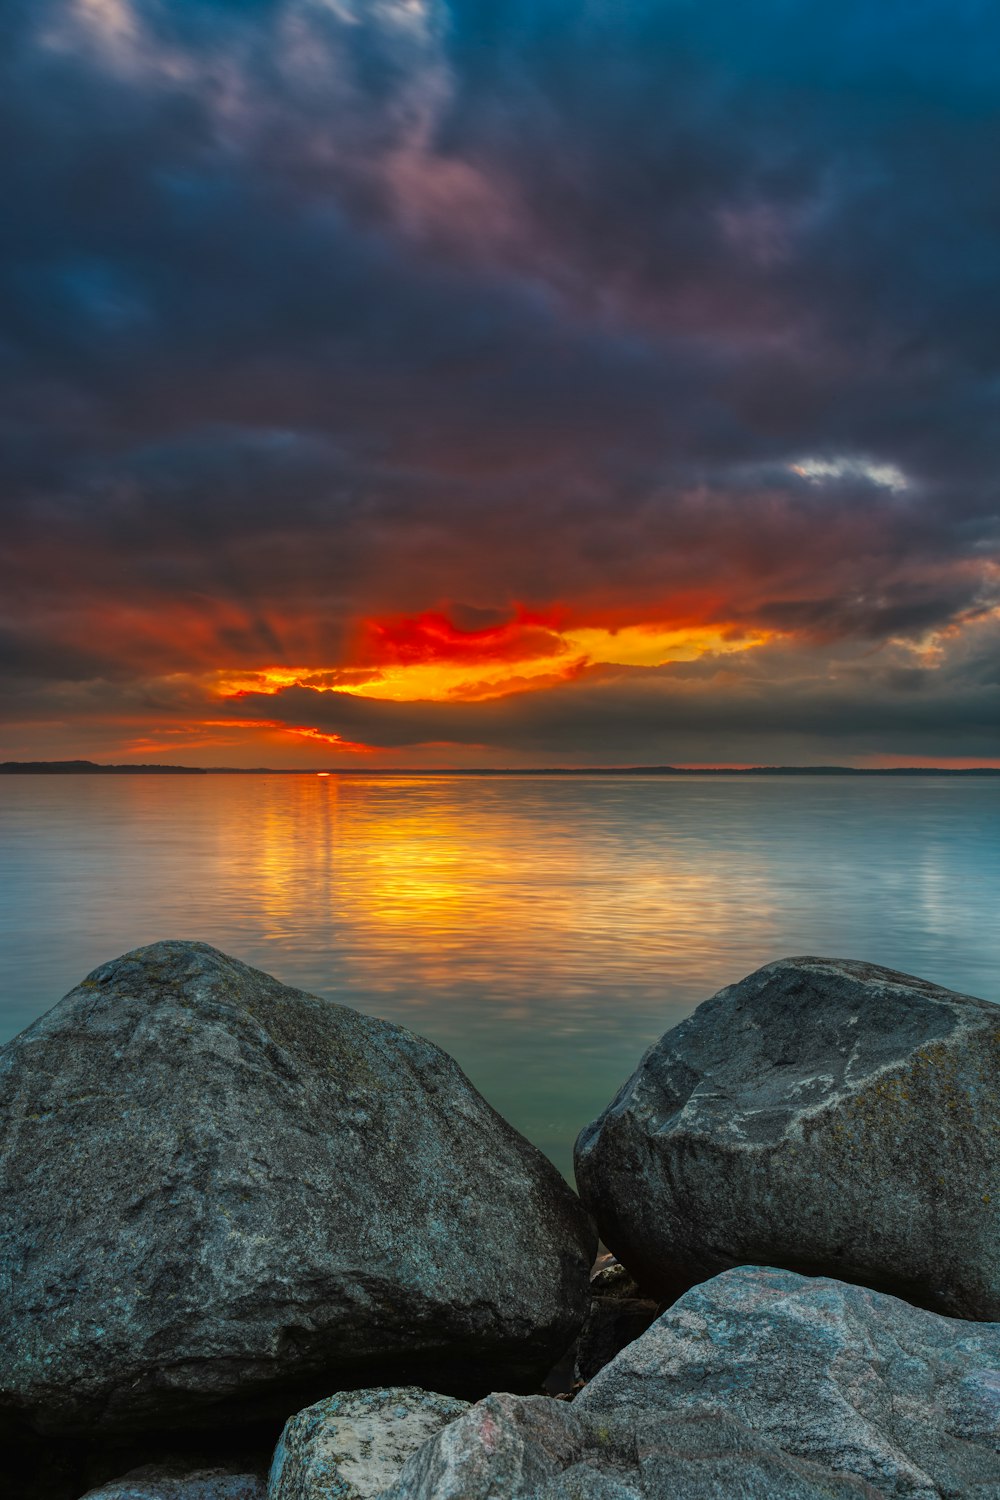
[(90, 767)]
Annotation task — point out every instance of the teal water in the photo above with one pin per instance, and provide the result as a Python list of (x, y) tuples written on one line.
[(544, 931)]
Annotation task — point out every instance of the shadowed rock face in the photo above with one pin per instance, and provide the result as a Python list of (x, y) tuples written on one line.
[(823, 1115), (175, 1482), (223, 1195)]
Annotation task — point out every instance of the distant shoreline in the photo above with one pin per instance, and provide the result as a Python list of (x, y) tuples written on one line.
[(93, 768)]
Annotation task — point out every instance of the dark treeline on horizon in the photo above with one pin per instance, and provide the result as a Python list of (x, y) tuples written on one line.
[(93, 768)]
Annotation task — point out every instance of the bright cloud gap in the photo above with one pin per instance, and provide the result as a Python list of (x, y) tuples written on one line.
[(885, 476)]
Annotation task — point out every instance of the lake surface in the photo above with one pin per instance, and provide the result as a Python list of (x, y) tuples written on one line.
[(543, 930)]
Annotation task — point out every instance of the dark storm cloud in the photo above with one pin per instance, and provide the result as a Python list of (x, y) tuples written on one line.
[(317, 309)]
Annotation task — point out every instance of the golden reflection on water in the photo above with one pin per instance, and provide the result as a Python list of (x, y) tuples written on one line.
[(460, 882), (544, 930)]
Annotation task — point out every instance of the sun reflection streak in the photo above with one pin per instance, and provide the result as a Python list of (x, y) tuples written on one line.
[(408, 870)]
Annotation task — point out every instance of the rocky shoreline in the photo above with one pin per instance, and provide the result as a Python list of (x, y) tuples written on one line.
[(255, 1245)]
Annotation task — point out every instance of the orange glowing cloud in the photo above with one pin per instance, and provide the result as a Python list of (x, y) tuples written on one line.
[(430, 659), (300, 731)]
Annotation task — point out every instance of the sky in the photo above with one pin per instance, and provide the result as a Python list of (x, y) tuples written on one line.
[(500, 382)]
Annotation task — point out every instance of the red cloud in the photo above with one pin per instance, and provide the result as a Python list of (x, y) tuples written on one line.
[(432, 637)]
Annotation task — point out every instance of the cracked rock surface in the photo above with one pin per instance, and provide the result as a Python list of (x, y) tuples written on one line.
[(824, 1115), (224, 1197)]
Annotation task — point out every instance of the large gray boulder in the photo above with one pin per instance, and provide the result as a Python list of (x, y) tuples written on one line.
[(222, 1196), (823, 1115), (352, 1445), (757, 1385)]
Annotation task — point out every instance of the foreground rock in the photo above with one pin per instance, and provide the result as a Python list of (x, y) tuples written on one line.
[(760, 1384), (823, 1115), (223, 1196), (837, 1374), (175, 1482), (529, 1448), (351, 1446)]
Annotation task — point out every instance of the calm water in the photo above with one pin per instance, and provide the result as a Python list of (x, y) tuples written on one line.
[(543, 931)]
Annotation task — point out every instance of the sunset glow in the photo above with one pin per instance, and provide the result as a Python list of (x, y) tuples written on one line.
[(430, 660)]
